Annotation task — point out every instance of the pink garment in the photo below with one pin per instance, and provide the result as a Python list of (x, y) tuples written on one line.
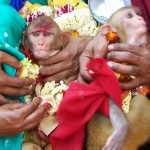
[(79, 104)]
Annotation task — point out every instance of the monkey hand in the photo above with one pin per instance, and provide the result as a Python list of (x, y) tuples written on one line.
[(12, 86), (137, 56)]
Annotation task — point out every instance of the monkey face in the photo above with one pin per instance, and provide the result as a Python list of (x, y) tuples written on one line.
[(43, 37), (133, 21), (43, 43)]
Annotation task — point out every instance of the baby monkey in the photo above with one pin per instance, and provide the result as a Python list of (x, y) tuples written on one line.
[(132, 29)]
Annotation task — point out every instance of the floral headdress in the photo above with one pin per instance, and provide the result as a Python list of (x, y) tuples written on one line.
[(33, 16)]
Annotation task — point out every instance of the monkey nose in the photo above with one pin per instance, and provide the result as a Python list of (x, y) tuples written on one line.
[(40, 43), (140, 18)]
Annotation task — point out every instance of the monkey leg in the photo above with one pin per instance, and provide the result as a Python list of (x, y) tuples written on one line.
[(99, 128), (48, 147), (120, 127)]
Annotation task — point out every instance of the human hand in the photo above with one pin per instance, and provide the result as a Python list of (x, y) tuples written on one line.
[(4, 100), (96, 48), (65, 64), (18, 117), (138, 60), (12, 86)]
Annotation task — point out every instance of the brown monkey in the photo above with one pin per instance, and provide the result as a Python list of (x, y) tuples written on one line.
[(132, 29), (42, 38), (99, 128)]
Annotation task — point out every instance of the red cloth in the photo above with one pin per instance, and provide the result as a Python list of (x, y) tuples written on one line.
[(144, 5), (79, 104)]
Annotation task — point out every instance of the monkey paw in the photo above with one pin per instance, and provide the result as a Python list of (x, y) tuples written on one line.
[(116, 140)]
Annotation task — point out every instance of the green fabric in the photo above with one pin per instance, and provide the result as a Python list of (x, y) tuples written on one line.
[(12, 142), (5, 1), (11, 29), (42, 2)]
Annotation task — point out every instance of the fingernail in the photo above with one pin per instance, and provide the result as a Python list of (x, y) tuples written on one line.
[(47, 105), (91, 72), (108, 56), (39, 99), (109, 64), (111, 47), (20, 65), (34, 82)]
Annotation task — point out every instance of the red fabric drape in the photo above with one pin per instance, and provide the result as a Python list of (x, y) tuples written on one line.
[(79, 104), (144, 5)]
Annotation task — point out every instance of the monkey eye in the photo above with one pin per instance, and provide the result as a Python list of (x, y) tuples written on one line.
[(46, 33), (129, 15), (139, 13), (36, 33)]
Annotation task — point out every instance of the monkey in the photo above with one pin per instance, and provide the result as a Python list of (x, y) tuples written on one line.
[(138, 121), (42, 38), (132, 29)]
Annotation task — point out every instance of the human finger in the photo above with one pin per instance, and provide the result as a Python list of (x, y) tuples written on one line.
[(13, 106), (8, 59), (59, 57), (123, 68), (30, 108), (56, 68), (130, 84), (85, 58), (15, 82), (71, 78), (12, 91), (36, 115), (123, 56), (4, 100), (126, 47), (63, 75)]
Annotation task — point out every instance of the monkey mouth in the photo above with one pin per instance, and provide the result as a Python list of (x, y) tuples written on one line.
[(53, 52), (41, 54)]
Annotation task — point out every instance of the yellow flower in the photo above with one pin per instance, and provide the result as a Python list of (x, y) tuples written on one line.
[(61, 3)]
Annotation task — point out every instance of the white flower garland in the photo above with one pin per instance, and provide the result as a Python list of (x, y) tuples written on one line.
[(79, 20)]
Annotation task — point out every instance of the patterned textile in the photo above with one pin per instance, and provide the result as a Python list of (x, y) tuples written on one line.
[(11, 28)]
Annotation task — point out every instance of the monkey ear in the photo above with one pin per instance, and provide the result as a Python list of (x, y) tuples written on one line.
[(23, 39), (65, 37), (105, 28)]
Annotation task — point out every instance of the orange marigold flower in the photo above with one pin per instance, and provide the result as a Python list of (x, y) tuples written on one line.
[(112, 37)]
